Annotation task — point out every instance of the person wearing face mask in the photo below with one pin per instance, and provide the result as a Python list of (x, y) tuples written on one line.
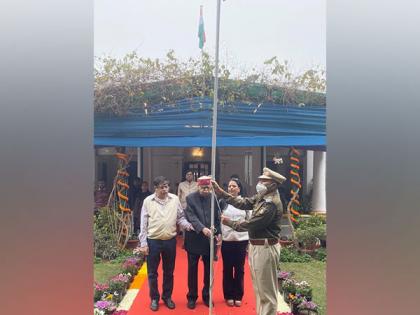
[(264, 233), (234, 246)]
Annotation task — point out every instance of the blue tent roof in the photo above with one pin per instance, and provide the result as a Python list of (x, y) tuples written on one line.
[(189, 123)]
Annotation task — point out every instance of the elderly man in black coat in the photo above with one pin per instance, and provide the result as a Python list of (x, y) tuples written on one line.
[(197, 242)]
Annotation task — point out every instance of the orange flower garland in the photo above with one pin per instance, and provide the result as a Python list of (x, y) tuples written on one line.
[(296, 185), (122, 183)]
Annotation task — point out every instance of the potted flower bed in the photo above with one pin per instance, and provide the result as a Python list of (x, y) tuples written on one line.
[(120, 283), (131, 265), (282, 276), (289, 289), (307, 308), (294, 302), (295, 293), (108, 295), (303, 288), (308, 240), (104, 308)]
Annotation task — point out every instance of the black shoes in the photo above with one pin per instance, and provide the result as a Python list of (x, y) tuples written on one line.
[(154, 305), (169, 303), (191, 304)]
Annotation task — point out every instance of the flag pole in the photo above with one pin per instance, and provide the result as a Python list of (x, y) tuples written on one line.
[(213, 155)]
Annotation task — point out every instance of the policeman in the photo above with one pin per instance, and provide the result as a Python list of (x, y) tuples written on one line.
[(264, 233)]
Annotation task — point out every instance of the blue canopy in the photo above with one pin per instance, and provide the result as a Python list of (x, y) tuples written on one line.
[(189, 123)]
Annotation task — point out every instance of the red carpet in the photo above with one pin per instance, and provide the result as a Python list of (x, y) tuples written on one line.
[(141, 303)]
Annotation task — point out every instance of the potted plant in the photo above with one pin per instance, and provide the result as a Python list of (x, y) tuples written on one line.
[(322, 234), (131, 265), (289, 288), (132, 242), (303, 288), (120, 283), (307, 308), (100, 289), (294, 301), (285, 241), (307, 239), (104, 307), (282, 276)]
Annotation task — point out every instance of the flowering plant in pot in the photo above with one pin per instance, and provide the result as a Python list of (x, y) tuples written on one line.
[(99, 290), (130, 265), (106, 307), (294, 301), (308, 307), (120, 282), (289, 287), (304, 289), (282, 276)]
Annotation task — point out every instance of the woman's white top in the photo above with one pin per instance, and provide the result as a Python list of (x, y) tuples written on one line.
[(229, 234)]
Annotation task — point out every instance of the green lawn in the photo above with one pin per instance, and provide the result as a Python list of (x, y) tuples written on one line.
[(314, 273), (103, 271)]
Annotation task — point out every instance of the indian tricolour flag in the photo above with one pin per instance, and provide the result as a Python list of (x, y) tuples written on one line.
[(201, 32)]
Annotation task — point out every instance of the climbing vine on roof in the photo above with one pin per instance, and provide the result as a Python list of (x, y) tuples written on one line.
[(137, 83)]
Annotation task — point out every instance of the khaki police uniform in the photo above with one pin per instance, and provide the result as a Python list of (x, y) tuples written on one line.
[(264, 232)]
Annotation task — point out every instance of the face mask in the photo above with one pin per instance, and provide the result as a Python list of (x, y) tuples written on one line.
[(261, 188)]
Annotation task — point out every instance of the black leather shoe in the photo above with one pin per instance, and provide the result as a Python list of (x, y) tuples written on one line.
[(169, 303), (191, 304), (154, 305)]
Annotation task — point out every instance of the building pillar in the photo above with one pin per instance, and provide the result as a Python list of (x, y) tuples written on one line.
[(139, 174), (319, 197), (308, 171)]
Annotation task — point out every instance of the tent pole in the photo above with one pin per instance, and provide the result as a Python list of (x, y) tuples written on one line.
[(213, 156)]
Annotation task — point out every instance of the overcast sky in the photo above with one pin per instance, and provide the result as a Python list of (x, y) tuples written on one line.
[(251, 31)]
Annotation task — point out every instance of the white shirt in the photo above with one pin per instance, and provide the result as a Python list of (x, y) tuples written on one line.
[(235, 214)]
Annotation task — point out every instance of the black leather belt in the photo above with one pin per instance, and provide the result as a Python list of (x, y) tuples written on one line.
[(270, 241)]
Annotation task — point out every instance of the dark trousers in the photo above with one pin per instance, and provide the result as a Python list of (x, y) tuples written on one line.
[(193, 260), (166, 249), (233, 254)]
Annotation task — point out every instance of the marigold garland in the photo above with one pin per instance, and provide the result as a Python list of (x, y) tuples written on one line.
[(294, 204), (118, 202)]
